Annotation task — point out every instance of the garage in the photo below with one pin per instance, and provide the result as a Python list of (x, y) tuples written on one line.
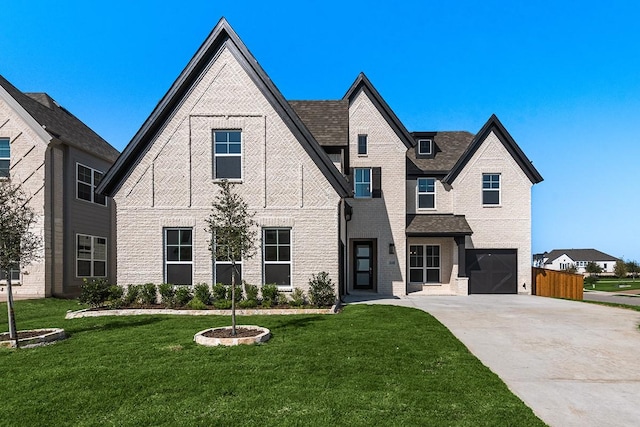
[(492, 271)]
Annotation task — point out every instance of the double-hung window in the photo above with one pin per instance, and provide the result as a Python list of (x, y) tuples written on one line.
[(425, 147), (276, 246), (5, 157), (224, 267), (362, 145), (490, 189), (14, 271), (426, 193), (227, 154), (87, 179), (424, 263), (362, 182), (178, 256), (91, 256)]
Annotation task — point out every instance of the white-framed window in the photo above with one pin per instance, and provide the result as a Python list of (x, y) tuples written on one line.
[(426, 198), (362, 182), (491, 189), (425, 147), (87, 179), (227, 154), (224, 268), (91, 256), (424, 263), (5, 157), (178, 256), (276, 248), (14, 271), (363, 148)]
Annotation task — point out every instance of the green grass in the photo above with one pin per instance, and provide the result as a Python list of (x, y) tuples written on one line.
[(614, 285), (370, 365)]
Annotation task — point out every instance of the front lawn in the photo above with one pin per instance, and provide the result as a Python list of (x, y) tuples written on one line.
[(370, 365), (614, 285)]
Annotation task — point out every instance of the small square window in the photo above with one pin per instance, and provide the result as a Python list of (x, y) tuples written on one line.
[(425, 147), (362, 144)]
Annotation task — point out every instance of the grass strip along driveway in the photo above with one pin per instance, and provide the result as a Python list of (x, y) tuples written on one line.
[(370, 365)]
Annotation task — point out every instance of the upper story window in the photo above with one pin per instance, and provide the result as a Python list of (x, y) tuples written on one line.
[(425, 147), (87, 179), (362, 182), (362, 145), (491, 189), (5, 157), (426, 193), (227, 154)]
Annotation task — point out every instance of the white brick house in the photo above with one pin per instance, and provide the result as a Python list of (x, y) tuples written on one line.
[(58, 161), (333, 185)]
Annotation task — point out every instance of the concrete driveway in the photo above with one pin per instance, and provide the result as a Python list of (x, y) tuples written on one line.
[(573, 363)]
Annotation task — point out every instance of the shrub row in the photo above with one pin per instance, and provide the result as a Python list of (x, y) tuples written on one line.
[(100, 293)]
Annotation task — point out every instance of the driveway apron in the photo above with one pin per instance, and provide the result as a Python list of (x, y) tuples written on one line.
[(573, 363)]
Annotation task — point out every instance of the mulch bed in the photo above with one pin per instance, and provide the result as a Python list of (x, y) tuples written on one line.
[(226, 333), (23, 334)]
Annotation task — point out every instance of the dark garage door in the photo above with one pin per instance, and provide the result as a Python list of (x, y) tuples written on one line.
[(492, 271)]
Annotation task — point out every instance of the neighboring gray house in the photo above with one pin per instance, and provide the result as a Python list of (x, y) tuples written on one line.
[(59, 162), (561, 259), (339, 186)]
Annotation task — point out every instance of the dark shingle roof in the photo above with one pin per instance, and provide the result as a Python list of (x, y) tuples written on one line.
[(437, 225), (579, 255), (448, 146), (328, 121), (60, 123)]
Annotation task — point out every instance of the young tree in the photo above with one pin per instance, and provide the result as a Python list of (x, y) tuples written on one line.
[(633, 268), (233, 234), (620, 269), (18, 244), (593, 268)]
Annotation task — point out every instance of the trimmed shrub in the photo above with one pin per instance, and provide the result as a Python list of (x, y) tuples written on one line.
[(222, 304), (238, 293), (95, 292), (282, 298), (149, 294), (297, 298), (219, 291), (116, 294), (248, 303), (183, 295), (321, 290), (132, 295), (202, 292), (196, 304), (250, 292), (168, 294), (269, 294)]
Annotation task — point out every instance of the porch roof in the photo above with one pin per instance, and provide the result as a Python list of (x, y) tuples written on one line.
[(437, 225)]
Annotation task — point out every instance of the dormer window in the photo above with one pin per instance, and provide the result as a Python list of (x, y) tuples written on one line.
[(425, 147)]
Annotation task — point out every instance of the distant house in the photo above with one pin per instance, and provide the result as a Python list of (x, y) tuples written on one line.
[(59, 162), (561, 259), (339, 186)]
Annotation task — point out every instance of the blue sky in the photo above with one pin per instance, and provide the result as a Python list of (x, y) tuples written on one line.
[(562, 76)]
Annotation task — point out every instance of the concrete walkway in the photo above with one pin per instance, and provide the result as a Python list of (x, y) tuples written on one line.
[(614, 297), (574, 364)]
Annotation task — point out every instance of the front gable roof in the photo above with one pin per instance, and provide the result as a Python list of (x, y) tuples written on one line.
[(363, 83), (448, 146), (221, 36), (50, 120), (494, 125)]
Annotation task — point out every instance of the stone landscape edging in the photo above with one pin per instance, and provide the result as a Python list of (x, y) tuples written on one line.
[(87, 312), (263, 336), (48, 336)]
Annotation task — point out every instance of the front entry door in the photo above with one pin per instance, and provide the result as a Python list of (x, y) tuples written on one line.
[(363, 263)]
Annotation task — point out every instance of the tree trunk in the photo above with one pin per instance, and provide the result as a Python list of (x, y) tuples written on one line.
[(13, 333), (233, 298)]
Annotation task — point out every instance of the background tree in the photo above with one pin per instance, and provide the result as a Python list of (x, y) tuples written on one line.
[(620, 269), (633, 268), (233, 234), (593, 268), (18, 244), (571, 268)]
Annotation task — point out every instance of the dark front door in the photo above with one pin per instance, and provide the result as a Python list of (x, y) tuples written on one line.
[(363, 265), (492, 271)]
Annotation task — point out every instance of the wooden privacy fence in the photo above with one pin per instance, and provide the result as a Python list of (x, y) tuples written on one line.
[(558, 284)]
